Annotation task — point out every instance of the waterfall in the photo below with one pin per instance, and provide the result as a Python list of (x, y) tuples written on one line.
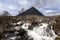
[(40, 32)]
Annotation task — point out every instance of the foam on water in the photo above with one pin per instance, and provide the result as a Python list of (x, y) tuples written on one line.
[(41, 32)]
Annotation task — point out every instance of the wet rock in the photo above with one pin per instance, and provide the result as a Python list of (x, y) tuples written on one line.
[(34, 23), (22, 32)]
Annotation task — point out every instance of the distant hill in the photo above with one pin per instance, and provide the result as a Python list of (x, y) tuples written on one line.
[(31, 11)]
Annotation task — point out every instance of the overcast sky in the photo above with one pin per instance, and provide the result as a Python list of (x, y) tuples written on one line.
[(13, 6)]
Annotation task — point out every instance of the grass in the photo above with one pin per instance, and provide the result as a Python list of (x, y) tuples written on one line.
[(57, 38)]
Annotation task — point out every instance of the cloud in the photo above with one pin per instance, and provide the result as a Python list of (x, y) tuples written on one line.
[(1, 6), (26, 4), (48, 11), (13, 13), (11, 7), (5, 7), (14, 5)]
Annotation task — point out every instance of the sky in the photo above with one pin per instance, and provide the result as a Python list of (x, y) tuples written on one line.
[(47, 7)]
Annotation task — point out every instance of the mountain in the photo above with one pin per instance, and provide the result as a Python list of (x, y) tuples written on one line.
[(31, 11)]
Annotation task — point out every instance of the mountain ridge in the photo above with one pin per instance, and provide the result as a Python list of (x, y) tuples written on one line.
[(31, 11)]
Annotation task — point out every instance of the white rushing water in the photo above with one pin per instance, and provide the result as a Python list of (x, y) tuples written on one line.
[(40, 32)]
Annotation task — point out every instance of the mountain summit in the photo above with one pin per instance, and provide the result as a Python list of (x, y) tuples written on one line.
[(31, 11)]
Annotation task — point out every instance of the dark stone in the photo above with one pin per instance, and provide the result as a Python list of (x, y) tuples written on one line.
[(22, 32), (34, 23)]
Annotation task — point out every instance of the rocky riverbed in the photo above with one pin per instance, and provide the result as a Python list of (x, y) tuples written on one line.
[(28, 30)]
